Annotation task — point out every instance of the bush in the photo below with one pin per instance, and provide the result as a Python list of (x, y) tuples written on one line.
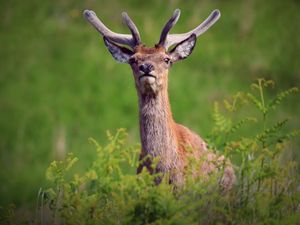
[(109, 191)]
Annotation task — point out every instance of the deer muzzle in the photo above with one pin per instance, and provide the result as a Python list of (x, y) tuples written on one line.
[(147, 79)]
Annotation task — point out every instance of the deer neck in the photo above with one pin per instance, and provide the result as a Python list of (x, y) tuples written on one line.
[(157, 128)]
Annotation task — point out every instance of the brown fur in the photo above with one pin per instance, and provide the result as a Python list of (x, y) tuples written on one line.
[(161, 136)]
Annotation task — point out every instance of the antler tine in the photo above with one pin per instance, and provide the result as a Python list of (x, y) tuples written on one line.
[(132, 27), (172, 21), (204, 26), (125, 39)]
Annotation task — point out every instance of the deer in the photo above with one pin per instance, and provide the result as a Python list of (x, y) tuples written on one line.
[(161, 137)]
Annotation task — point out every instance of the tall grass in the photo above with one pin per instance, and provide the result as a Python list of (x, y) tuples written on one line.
[(109, 191), (58, 83)]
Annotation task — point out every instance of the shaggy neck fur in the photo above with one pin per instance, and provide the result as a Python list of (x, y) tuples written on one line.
[(156, 129)]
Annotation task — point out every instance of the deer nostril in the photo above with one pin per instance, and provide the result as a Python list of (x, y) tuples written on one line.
[(150, 67), (146, 67), (142, 67)]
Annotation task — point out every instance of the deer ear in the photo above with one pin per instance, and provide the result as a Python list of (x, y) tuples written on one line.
[(183, 49), (121, 54)]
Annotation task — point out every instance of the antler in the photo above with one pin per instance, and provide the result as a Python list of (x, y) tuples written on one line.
[(166, 40), (132, 27), (172, 21), (131, 40)]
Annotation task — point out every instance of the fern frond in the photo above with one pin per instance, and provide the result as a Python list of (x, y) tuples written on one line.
[(222, 124), (289, 136), (256, 102), (261, 82), (281, 96), (267, 83), (237, 100), (270, 132), (240, 123)]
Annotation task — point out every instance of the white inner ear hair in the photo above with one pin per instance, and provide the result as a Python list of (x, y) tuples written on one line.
[(185, 48), (118, 54)]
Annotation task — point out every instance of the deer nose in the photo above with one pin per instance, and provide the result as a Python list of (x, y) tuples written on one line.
[(146, 68)]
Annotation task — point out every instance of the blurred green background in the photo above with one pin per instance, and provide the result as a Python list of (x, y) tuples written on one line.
[(59, 85)]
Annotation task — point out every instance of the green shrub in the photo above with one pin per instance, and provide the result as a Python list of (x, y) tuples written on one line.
[(110, 192)]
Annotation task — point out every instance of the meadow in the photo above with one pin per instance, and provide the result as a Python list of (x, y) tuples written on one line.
[(59, 86)]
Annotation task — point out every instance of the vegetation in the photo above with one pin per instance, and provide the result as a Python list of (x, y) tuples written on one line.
[(59, 86), (109, 191)]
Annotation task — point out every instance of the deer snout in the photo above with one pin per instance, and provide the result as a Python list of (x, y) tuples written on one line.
[(146, 68)]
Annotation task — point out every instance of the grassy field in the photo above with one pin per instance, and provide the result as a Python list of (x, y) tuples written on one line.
[(59, 85)]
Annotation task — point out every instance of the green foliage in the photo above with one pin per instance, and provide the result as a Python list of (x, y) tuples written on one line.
[(267, 185), (109, 191), (57, 75)]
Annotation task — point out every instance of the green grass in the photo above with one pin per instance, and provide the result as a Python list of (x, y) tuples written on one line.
[(55, 73), (109, 191)]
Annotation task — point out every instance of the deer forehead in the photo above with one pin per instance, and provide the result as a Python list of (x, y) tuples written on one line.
[(145, 53), (142, 49)]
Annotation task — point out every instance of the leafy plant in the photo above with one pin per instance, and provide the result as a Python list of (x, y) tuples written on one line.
[(266, 191), (110, 192)]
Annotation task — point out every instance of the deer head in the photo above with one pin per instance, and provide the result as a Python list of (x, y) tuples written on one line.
[(150, 66)]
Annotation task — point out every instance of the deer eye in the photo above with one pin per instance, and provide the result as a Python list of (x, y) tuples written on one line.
[(167, 60), (132, 60)]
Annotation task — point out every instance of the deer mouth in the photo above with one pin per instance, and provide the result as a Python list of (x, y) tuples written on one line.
[(147, 79), (147, 75)]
